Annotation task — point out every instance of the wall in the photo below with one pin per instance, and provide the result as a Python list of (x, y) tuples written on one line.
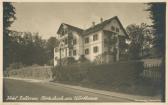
[(92, 43), (65, 50), (114, 23), (31, 72)]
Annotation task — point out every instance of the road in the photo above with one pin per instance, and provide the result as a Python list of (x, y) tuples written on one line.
[(29, 91)]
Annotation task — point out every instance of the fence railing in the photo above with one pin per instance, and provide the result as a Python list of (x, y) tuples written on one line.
[(152, 71)]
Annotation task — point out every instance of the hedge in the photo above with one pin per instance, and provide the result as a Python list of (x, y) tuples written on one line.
[(116, 73)]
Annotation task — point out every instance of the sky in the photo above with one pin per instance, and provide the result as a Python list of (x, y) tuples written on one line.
[(46, 18)]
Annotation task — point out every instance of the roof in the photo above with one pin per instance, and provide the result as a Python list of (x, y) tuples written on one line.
[(96, 28), (79, 30), (102, 25)]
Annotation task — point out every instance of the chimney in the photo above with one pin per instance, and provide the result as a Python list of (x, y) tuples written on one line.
[(101, 19), (93, 24)]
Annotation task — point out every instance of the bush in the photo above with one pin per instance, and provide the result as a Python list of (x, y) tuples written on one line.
[(116, 73), (15, 66), (67, 61), (82, 59)]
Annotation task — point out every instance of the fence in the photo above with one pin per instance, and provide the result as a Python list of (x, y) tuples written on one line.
[(152, 71)]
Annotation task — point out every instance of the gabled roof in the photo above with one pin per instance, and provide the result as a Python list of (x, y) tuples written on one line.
[(96, 28), (71, 28), (102, 25)]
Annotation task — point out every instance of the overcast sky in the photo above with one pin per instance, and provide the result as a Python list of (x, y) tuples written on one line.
[(46, 18)]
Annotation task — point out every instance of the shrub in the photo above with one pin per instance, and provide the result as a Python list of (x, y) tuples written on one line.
[(82, 59), (67, 61), (15, 66), (116, 73)]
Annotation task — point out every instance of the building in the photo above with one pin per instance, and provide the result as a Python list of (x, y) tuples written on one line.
[(93, 42)]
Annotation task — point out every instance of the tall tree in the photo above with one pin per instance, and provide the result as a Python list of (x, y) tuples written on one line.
[(158, 16), (52, 42), (140, 39), (8, 19)]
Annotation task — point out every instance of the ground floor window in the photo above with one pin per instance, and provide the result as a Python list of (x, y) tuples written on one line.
[(87, 51), (74, 52), (95, 49)]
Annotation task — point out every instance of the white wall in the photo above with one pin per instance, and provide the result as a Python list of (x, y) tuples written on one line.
[(78, 47), (115, 24), (91, 56)]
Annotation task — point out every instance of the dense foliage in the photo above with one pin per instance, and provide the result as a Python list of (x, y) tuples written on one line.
[(141, 40), (29, 48), (158, 17), (8, 19)]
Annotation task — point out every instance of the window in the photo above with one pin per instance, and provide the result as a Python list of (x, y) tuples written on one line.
[(87, 40), (74, 42), (112, 28), (66, 41), (74, 52), (56, 58), (95, 37), (70, 53), (87, 51), (95, 49), (56, 49), (117, 29), (65, 31)]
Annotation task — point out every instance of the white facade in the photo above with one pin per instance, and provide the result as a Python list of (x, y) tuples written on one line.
[(90, 45)]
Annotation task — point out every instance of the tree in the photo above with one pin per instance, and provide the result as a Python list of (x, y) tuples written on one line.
[(8, 19), (140, 39), (52, 42), (158, 16)]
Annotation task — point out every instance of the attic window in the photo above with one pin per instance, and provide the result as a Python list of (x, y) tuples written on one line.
[(112, 28), (117, 29)]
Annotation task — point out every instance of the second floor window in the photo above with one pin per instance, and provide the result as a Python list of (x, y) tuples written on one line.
[(95, 37), (74, 42), (66, 41), (95, 49), (87, 40), (74, 52), (87, 51)]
